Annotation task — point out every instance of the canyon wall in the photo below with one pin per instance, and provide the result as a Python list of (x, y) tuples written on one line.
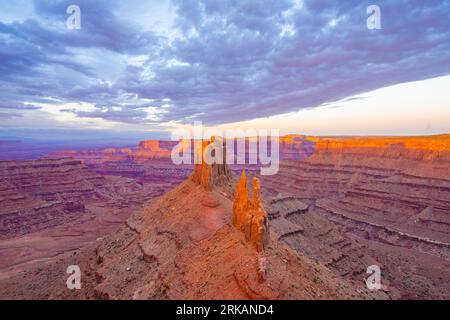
[(39, 194), (391, 190)]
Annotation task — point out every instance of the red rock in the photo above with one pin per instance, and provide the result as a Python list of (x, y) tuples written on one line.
[(212, 175), (366, 202), (249, 216)]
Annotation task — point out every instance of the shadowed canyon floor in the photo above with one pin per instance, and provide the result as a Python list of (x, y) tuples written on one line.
[(52, 206), (336, 206)]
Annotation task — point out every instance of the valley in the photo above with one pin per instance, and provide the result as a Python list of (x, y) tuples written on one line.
[(342, 203)]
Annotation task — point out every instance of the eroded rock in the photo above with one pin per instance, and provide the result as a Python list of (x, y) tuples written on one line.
[(249, 215)]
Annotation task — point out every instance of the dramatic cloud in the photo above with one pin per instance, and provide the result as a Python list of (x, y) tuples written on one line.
[(18, 106), (220, 61), (6, 115)]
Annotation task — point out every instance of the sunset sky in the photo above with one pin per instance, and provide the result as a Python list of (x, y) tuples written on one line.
[(140, 69)]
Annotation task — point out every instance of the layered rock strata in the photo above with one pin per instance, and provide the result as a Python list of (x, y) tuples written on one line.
[(40, 194), (392, 195), (377, 189)]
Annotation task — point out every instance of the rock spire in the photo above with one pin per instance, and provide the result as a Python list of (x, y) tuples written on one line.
[(213, 170), (249, 215)]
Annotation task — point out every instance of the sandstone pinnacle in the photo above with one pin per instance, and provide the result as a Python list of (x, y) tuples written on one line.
[(217, 173), (249, 215)]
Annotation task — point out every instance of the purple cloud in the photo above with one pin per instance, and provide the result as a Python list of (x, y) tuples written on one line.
[(18, 106), (231, 61), (7, 115)]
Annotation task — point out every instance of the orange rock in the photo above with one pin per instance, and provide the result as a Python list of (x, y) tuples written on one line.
[(249, 216), (150, 145), (240, 204), (429, 143), (215, 174), (202, 171), (256, 202)]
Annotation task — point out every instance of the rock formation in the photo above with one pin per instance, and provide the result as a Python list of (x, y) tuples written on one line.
[(217, 173), (153, 149), (248, 214)]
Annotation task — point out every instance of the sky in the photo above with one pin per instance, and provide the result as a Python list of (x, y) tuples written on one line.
[(144, 68)]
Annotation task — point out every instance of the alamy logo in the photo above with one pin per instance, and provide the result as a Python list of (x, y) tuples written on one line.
[(74, 280), (252, 147), (374, 19), (373, 282), (74, 20)]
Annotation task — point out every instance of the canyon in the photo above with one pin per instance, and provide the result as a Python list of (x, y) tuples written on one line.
[(336, 206), (391, 195), (51, 206)]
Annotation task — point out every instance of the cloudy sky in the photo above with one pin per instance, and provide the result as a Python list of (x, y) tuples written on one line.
[(149, 66)]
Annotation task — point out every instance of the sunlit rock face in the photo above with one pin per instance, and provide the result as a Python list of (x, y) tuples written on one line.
[(153, 149), (248, 214), (391, 190), (214, 174), (240, 204)]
